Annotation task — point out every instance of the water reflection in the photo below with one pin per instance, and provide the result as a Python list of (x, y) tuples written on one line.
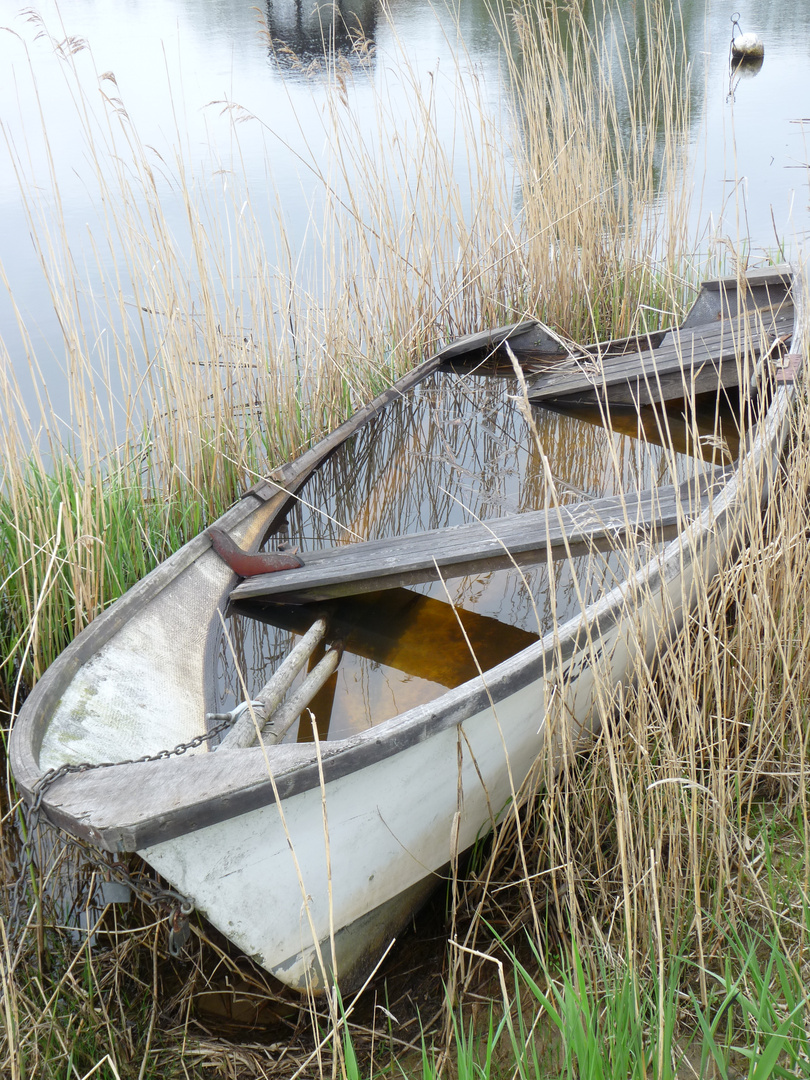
[(454, 450), (306, 31), (173, 58), (710, 430), (741, 68)]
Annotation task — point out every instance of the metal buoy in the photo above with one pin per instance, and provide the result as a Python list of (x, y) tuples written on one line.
[(745, 46)]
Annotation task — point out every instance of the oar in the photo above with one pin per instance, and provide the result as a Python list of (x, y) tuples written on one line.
[(243, 733), (277, 726)]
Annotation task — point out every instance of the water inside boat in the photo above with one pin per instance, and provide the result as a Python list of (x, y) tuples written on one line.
[(456, 450)]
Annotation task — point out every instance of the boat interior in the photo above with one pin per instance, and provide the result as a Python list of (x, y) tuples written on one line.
[(511, 487)]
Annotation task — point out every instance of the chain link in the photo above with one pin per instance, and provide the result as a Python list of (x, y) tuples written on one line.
[(148, 892)]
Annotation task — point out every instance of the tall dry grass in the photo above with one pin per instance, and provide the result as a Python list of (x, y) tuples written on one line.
[(603, 111), (676, 846), (197, 361), (197, 357)]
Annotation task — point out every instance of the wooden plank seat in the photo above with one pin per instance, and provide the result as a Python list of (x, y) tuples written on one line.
[(694, 360), (464, 549)]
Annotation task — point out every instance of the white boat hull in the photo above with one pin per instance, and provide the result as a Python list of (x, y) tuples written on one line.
[(314, 879), (347, 861), (342, 865)]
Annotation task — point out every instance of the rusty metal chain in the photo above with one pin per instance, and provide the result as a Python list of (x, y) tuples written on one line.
[(149, 893)]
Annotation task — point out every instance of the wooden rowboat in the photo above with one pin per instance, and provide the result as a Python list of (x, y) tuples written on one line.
[(490, 618)]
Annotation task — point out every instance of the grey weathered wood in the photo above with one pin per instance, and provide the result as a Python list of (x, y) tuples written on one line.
[(689, 361), (265, 703), (464, 549), (276, 727), (485, 339), (761, 275)]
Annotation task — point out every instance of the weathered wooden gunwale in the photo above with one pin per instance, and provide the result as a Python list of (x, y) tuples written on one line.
[(130, 806), (252, 517), (557, 531)]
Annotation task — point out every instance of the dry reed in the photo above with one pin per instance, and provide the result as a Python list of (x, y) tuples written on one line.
[(685, 825), (195, 363), (198, 364)]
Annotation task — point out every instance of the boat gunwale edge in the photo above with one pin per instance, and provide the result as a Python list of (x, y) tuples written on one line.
[(29, 725), (453, 707)]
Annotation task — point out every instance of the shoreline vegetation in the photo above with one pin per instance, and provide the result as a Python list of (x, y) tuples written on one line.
[(647, 912)]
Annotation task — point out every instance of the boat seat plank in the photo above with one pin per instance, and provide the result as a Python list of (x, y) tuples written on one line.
[(753, 278), (463, 549), (696, 360)]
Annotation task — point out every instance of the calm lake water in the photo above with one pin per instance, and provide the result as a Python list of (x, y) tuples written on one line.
[(176, 62)]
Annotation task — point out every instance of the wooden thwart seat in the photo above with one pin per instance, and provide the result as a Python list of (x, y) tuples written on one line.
[(464, 549), (694, 360)]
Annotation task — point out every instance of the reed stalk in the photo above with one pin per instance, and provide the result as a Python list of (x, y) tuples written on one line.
[(196, 362)]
